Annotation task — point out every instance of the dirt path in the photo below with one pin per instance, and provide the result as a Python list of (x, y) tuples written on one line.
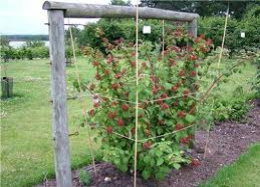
[(227, 141)]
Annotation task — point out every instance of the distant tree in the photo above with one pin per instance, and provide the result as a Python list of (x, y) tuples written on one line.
[(4, 41), (203, 8), (19, 37), (34, 43), (121, 2), (75, 33)]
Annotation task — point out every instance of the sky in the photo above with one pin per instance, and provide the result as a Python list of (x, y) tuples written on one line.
[(27, 16)]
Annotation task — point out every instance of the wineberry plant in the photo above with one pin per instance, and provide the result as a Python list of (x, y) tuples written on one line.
[(167, 101)]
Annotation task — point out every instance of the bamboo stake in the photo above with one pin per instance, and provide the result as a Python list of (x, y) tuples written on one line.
[(84, 104), (223, 40), (136, 94)]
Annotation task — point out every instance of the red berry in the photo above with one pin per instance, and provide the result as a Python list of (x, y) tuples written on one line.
[(115, 86), (165, 52), (192, 109), (125, 107), (98, 77), (133, 64), (164, 106), (146, 145), (192, 57), (175, 103), (111, 115), (121, 39), (114, 103), (202, 36), (140, 105), (193, 73), (141, 115), (91, 112), (155, 89), (109, 130), (133, 131), (191, 137), (190, 49), (186, 93), (172, 62), (175, 88), (177, 33), (110, 46), (118, 75), (195, 65), (185, 140), (110, 60), (181, 114), (204, 49), (96, 105), (120, 122), (154, 78), (107, 72), (124, 71), (116, 42), (95, 64), (105, 40), (194, 162), (131, 44), (209, 42), (144, 64), (92, 87), (159, 101), (182, 73), (164, 95), (179, 126), (126, 94), (198, 39)]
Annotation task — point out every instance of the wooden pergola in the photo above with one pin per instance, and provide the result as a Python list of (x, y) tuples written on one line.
[(57, 11)]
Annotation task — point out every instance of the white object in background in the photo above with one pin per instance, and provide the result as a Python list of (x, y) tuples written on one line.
[(243, 34), (146, 29)]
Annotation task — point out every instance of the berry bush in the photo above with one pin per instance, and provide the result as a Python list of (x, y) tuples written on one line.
[(167, 101)]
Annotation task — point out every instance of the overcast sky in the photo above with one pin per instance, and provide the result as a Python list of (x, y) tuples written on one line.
[(27, 16)]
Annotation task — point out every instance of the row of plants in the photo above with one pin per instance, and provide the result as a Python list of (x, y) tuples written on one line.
[(171, 88), (211, 26), (30, 53), (256, 81)]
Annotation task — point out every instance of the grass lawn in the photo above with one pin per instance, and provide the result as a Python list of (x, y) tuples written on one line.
[(245, 172), (26, 124)]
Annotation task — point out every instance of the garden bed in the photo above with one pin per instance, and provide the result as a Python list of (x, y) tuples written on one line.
[(227, 141)]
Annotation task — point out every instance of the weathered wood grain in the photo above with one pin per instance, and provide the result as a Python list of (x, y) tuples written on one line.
[(58, 85), (193, 27), (76, 10)]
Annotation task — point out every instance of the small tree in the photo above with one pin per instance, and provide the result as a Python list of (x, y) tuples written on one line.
[(167, 102)]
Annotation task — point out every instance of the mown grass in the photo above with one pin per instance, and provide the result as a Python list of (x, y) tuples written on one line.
[(245, 172), (26, 124)]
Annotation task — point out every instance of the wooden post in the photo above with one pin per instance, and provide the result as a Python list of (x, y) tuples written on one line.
[(193, 27), (58, 84), (7, 87), (76, 10)]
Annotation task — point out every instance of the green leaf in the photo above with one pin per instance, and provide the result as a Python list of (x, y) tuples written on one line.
[(190, 118), (160, 161), (177, 166), (123, 167), (146, 173), (159, 153), (147, 159)]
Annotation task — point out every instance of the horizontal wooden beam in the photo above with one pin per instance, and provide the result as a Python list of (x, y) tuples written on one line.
[(76, 10)]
